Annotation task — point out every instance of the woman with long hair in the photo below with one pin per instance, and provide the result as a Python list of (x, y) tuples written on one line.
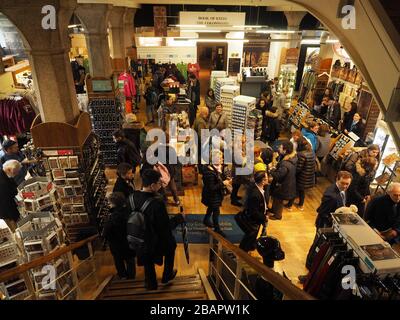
[(214, 183)]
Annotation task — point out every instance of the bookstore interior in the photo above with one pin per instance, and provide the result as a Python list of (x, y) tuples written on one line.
[(69, 155)]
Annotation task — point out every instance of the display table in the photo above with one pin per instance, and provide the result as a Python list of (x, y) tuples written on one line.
[(8, 60), (17, 69)]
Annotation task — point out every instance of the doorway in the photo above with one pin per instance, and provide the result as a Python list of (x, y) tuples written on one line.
[(211, 56)]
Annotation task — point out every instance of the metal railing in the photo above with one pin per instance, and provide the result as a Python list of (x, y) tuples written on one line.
[(26, 272), (217, 246)]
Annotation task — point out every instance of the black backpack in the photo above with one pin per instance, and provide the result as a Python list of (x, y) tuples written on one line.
[(136, 227)]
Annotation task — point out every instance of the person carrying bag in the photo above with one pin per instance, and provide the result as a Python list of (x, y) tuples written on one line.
[(254, 214)]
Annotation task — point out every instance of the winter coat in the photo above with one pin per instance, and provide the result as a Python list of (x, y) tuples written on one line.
[(271, 124), (213, 187), (158, 236), (305, 170), (210, 103), (359, 187), (358, 129), (115, 232), (132, 132), (199, 124), (128, 153), (215, 124), (311, 137), (334, 115), (255, 205), (323, 145), (8, 191), (350, 162), (193, 92), (284, 183), (348, 119), (122, 186)]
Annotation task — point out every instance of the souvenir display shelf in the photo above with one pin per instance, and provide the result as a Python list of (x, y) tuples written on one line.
[(229, 92), (106, 118), (10, 257), (220, 82), (39, 234), (214, 76), (74, 164), (298, 114), (341, 145), (242, 105)]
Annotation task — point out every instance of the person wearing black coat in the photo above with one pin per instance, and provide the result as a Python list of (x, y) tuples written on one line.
[(348, 117), (356, 126), (213, 190), (255, 209), (115, 233), (363, 174), (271, 127), (284, 179), (193, 94), (333, 115), (383, 214), (126, 150), (159, 239), (334, 197), (305, 172), (8, 190), (125, 180)]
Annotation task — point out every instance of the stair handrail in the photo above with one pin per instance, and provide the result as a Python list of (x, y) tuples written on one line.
[(282, 284), (5, 275)]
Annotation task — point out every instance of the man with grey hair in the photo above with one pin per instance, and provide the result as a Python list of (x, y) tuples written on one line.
[(383, 214), (8, 190)]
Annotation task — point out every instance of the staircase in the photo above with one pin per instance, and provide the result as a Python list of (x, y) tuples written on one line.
[(192, 287)]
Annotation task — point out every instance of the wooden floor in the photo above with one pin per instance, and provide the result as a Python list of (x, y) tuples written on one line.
[(295, 231)]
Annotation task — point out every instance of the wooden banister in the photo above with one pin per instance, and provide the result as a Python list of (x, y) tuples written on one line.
[(279, 282), (42, 260)]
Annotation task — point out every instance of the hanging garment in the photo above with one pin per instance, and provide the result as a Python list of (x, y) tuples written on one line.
[(195, 69), (183, 69), (16, 116), (129, 88)]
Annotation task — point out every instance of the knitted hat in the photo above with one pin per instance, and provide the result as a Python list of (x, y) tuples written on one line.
[(130, 118), (260, 167)]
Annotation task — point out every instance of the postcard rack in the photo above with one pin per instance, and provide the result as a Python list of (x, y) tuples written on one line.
[(10, 257)]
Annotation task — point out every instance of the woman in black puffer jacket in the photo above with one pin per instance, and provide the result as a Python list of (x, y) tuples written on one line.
[(214, 183), (284, 179), (305, 172)]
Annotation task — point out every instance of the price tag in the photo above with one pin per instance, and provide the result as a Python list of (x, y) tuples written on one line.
[(65, 152)]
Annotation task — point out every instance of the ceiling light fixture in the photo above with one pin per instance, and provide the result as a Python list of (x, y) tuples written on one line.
[(276, 31), (190, 25), (310, 41), (205, 31), (243, 26)]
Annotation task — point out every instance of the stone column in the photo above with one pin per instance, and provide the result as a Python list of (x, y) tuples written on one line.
[(129, 33), (294, 19), (48, 50), (116, 19), (94, 17)]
